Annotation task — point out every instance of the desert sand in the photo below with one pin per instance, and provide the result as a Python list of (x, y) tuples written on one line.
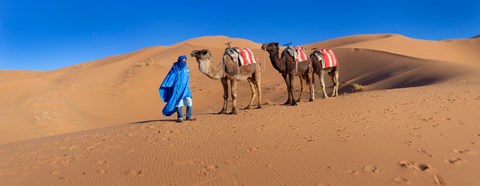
[(408, 114)]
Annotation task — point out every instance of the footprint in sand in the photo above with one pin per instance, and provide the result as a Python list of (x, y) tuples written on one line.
[(464, 151), (309, 139), (439, 180), (413, 165), (102, 171), (423, 151), (268, 165), (134, 172), (416, 134), (101, 162), (208, 169), (371, 169), (253, 149), (416, 128), (352, 172), (401, 180), (341, 129), (62, 160), (297, 147), (345, 137), (421, 167), (455, 161), (408, 143), (293, 127)]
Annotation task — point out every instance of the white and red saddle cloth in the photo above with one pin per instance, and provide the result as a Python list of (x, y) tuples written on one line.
[(298, 53), (327, 57), (241, 56), (246, 56)]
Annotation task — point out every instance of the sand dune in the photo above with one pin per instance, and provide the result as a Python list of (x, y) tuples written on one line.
[(415, 123), (465, 53)]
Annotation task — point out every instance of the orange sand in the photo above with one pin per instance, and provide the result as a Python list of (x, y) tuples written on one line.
[(100, 122)]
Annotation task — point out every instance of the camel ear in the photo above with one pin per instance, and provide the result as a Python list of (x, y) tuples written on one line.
[(204, 51), (193, 52), (275, 43), (263, 46)]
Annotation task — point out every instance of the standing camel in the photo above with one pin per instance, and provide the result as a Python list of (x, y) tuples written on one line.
[(320, 67), (229, 70), (286, 65)]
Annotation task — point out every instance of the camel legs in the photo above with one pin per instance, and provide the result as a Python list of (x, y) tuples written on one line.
[(291, 77), (254, 93), (309, 77), (256, 79), (233, 84), (313, 80), (287, 82), (259, 89), (225, 95), (322, 81), (301, 88), (334, 75)]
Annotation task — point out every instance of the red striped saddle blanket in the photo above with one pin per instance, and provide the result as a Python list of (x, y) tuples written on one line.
[(241, 56), (247, 56), (329, 58), (298, 53)]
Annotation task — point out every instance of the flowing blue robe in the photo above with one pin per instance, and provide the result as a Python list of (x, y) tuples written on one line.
[(175, 87)]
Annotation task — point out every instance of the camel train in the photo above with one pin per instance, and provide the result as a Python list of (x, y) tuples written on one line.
[(240, 64)]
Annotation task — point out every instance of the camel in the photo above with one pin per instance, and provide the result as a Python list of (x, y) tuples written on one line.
[(228, 70), (287, 66), (333, 72)]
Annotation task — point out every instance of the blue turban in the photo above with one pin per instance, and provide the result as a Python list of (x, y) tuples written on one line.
[(180, 61)]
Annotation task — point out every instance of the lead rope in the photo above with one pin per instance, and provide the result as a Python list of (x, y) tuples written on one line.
[(238, 66), (223, 64), (296, 66), (264, 67)]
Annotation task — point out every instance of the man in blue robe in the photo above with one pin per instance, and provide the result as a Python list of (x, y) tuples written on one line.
[(175, 90)]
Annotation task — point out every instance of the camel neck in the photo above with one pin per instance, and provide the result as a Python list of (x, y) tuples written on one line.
[(277, 63), (207, 68)]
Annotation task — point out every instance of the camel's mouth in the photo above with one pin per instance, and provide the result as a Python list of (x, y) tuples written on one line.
[(202, 61)]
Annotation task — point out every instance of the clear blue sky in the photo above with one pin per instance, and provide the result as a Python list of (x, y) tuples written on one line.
[(48, 34)]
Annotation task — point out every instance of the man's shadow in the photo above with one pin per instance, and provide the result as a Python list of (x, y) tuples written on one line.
[(153, 121), (168, 120)]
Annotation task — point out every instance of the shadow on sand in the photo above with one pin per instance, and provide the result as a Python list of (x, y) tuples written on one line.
[(169, 120), (152, 121)]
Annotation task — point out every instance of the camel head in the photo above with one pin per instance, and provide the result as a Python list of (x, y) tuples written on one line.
[(271, 47), (201, 55), (204, 60)]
